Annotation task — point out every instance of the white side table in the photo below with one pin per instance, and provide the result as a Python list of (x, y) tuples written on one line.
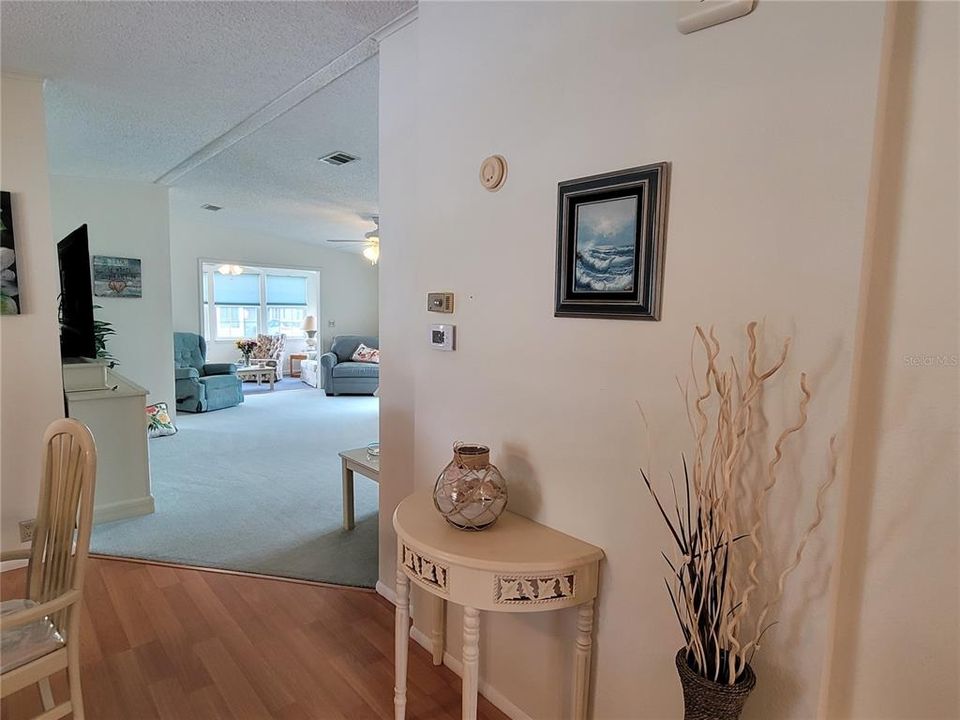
[(517, 565)]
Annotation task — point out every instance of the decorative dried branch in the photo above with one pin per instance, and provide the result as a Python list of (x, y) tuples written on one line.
[(758, 508), (814, 524), (712, 586)]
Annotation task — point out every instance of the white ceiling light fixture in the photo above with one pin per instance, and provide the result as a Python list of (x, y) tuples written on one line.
[(372, 253), (227, 269)]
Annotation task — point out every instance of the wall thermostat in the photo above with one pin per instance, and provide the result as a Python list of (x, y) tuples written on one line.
[(442, 337), (441, 302)]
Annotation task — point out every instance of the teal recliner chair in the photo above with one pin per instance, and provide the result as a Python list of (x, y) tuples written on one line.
[(202, 386)]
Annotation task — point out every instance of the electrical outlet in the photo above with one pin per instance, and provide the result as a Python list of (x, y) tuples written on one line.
[(331, 323), (26, 530)]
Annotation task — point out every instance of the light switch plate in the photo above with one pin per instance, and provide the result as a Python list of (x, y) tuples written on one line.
[(443, 337), (441, 302), (693, 16)]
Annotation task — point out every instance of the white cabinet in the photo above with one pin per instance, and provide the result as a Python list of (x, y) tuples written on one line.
[(113, 409)]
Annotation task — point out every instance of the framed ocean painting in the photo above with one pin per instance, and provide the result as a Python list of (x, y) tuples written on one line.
[(610, 244)]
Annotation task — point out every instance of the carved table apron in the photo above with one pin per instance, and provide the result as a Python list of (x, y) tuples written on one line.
[(517, 565)]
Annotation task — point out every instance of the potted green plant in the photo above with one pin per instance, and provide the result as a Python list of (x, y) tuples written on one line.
[(102, 330), (718, 528)]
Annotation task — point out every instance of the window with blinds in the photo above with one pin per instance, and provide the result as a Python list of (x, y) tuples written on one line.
[(236, 300), (258, 300), (286, 304)]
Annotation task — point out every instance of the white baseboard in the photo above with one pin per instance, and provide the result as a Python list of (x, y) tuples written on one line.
[(386, 592), (123, 509), (105, 513), (486, 689), (12, 565)]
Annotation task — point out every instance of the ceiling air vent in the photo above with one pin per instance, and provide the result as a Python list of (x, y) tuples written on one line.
[(211, 208), (338, 158)]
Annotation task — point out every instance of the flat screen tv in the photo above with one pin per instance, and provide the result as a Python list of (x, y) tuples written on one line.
[(77, 338)]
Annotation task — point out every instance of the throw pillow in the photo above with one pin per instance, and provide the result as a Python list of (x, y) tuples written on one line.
[(159, 422), (366, 354)]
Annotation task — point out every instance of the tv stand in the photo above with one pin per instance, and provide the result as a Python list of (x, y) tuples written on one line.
[(84, 374), (113, 408)]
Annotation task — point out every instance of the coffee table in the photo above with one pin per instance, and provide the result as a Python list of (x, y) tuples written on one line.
[(258, 373), (356, 460)]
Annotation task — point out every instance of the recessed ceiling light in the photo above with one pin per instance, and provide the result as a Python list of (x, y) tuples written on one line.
[(338, 158), (211, 208)]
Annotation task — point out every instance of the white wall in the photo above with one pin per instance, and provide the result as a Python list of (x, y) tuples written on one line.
[(770, 145), (348, 283), (898, 621), (399, 294), (31, 387), (128, 219)]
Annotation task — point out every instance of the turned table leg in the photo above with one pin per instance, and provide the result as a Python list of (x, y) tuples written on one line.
[(471, 661), (401, 645), (439, 628), (584, 649)]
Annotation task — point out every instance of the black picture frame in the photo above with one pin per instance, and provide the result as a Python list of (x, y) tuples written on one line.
[(611, 232), (10, 298)]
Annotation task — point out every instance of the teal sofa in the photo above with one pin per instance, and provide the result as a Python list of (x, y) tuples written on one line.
[(202, 386), (342, 376)]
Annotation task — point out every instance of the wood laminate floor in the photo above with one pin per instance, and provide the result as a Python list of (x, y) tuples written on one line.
[(163, 642)]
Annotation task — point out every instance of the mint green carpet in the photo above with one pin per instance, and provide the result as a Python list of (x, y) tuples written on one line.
[(257, 488)]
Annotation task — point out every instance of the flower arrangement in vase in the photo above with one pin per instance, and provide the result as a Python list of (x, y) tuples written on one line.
[(718, 525), (246, 346)]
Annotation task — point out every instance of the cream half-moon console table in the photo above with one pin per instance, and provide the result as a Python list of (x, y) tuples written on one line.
[(517, 565)]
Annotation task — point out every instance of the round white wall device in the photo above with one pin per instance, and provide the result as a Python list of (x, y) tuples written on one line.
[(493, 172)]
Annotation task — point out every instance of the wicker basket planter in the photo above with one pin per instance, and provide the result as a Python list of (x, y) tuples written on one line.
[(704, 699)]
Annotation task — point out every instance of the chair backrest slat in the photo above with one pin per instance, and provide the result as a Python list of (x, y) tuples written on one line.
[(61, 537)]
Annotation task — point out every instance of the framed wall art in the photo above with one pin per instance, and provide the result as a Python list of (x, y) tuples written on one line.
[(116, 277), (9, 281), (610, 244)]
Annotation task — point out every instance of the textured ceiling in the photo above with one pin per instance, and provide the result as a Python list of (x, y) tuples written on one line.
[(136, 88)]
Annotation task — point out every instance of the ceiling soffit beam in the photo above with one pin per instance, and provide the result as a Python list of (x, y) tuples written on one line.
[(359, 53), (396, 24)]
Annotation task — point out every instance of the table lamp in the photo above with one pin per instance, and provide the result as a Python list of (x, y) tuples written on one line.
[(310, 328)]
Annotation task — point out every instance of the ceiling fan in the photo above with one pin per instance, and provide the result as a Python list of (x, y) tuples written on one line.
[(371, 239)]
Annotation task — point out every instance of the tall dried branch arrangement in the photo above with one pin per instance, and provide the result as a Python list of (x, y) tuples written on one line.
[(714, 582)]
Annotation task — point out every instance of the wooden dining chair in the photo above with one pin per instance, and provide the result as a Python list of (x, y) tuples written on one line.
[(40, 633)]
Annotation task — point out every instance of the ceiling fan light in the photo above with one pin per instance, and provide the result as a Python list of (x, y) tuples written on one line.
[(372, 253)]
